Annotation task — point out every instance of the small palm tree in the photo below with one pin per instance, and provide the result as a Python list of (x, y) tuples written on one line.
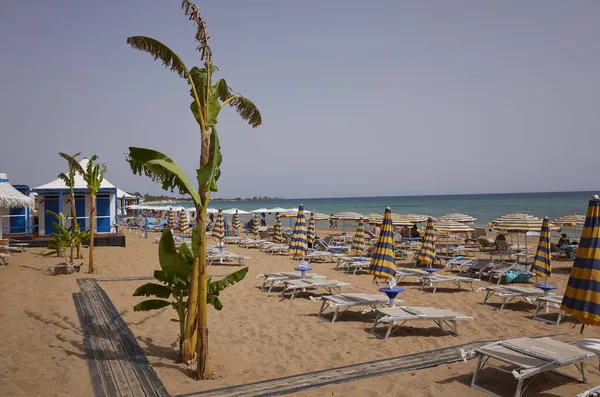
[(69, 179)]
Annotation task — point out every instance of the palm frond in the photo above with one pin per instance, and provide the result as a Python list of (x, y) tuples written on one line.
[(222, 90), (192, 11), (73, 162), (160, 51), (246, 109)]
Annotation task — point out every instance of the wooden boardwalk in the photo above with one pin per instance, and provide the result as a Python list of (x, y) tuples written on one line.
[(117, 363)]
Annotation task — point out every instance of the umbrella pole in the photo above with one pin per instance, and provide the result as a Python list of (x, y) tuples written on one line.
[(1, 212)]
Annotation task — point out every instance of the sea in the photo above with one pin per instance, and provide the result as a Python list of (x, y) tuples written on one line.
[(484, 207)]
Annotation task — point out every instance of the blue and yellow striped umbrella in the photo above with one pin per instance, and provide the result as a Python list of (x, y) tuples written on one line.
[(582, 296), (236, 223), (310, 233), (541, 263), (427, 252), (277, 231), (218, 232), (383, 261), (358, 244), (298, 245), (171, 219), (254, 229), (183, 221)]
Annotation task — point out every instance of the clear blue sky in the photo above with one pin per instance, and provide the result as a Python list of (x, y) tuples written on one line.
[(358, 98)]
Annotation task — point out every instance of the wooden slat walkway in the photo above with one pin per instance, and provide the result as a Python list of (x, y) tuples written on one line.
[(117, 364), (314, 380)]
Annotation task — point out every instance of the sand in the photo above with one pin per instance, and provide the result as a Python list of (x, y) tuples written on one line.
[(256, 336)]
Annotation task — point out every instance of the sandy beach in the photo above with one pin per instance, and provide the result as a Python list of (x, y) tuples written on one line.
[(257, 336)]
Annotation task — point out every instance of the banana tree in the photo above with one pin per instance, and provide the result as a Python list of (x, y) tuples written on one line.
[(93, 175), (208, 100), (69, 179)]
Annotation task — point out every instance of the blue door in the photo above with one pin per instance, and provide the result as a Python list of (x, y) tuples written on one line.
[(17, 220), (50, 203), (80, 211), (103, 214)]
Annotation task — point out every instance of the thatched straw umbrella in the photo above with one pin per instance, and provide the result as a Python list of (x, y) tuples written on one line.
[(11, 198)]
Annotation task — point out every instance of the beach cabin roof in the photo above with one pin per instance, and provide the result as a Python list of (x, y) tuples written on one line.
[(121, 193), (59, 184)]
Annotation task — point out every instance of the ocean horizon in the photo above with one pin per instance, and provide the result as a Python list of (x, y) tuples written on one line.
[(484, 207)]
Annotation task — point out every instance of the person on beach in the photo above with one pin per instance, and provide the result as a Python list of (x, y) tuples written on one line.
[(376, 230), (331, 221), (563, 240), (414, 232), (405, 232)]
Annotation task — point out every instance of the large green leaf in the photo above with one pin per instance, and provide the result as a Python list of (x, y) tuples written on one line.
[(195, 239), (210, 173), (151, 304), (222, 90), (161, 168), (150, 289), (170, 260), (186, 252), (217, 286), (215, 301), (160, 51)]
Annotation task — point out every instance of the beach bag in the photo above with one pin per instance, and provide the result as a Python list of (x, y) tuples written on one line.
[(517, 276)]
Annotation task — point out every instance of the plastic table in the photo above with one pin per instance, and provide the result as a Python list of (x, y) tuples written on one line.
[(391, 294)]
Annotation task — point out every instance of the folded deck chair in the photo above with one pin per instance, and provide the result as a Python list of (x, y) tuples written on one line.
[(292, 287), (434, 279), (345, 301), (392, 315), (544, 303), (528, 357), (273, 279), (508, 293), (226, 257)]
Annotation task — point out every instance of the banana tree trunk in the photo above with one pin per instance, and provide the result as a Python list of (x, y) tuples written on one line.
[(92, 232), (202, 347), (190, 335), (73, 222)]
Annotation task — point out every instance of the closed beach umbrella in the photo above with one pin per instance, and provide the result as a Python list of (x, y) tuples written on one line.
[(582, 296), (183, 221), (254, 229), (358, 244), (541, 263), (310, 233), (277, 231), (218, 232), (11, 198), (236, 222), (427, 252), (171, 219), (462, 218), (298, 245), (383, 261)]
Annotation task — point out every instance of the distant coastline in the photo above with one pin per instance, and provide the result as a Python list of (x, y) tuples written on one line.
[(213, 200)]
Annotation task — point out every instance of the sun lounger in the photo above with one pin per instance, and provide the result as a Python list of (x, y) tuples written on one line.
[(486, 244), (403, 272), (275, 248), (4, 258), (434, 279), (497, 270), (273, 279), (226, 257), (355, 266), (508, 293), (502, 250), (392, 315), (314, 255), (528, 357), (543, 305), (476, 268), (292, 287), (345, 301), (251, 243), (335, 249)]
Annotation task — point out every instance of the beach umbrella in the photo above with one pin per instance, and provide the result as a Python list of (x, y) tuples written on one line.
[(310, 233), (320, 216), (462, 218), (218, 232), (374, 218), (414, 218), (254, 229), (298, 245), (171, 219), (398, 220), (182, 224), (541, 262), (383, 260), (450, 226), (427, 252), (233, 211), (582, 296), (236, 222), (277, 231), (519, 224), (572, 220), (11, 198), (358, 244), (347, 216)]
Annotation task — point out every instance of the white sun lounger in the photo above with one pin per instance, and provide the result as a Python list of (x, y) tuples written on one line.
[(319, 256), (275, 248), (546, 302), (345, 301), (392, 315), (226, 257), (404, 272), (353, 267), (251, 243), (508, 293), (434, 279), (292, 287), (273, 279), (529, 357)]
